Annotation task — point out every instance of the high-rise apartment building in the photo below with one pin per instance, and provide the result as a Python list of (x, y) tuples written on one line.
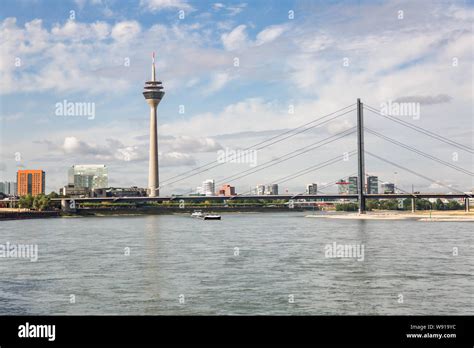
[(353, 186), (30, 182), (372, 185)]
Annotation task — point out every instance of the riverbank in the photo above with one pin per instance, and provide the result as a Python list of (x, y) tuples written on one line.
[(127, 211), (21, 214), (455, 215)]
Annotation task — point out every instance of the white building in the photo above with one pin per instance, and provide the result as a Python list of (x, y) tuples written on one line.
[(260, 190), (208, 187), (271, 189)]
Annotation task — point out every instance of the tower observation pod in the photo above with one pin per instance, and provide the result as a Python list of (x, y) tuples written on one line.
[(153, 93)]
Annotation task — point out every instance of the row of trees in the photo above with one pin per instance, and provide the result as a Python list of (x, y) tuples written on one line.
[(394, 204), (39, 202)]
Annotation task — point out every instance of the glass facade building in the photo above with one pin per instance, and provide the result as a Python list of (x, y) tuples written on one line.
[(8, 188), (353, 185), (90, 176), (372, 185)]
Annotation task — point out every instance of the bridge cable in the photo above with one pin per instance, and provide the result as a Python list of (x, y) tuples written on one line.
[(419, 152), (293, 154), (415, 173), (308, 170), (272, 138), (421, 130)]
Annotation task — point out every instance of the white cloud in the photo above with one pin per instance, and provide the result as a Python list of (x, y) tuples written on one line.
[(236, 39), (270, 33), (77, 31), (231, 10), (175, 159), (191, 144), (159, 5), (218, 81), (125, 31), (71, 144), (337, 127)]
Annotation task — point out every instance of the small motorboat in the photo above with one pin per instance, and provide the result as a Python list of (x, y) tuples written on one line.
[(211, 217), (197, 214)]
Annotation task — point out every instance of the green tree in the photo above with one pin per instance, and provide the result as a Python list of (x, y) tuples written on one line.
[(453, 205), (41, 202), (389, 204), (347, 207), (439, 205), (423, 204), (407, 204), (26, 201), (372, 204), (53, 195)]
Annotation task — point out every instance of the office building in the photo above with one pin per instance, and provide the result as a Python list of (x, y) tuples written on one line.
[(271, 189), (89, 176), (372, 185), (353, 186), (227, 190), (312, 189), (387, 187), (8, 188), (343, 187), (133, 191), (31, 182), (260, 190), (73, 191)]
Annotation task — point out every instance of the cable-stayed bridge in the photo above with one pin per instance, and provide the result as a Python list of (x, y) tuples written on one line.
[(358, 151)]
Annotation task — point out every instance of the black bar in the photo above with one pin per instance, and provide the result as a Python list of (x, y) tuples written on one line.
[(345, 330)]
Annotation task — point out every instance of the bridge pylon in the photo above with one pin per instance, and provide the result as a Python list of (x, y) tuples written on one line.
[(360, 157)]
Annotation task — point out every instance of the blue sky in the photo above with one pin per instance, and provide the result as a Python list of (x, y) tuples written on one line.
[(393, 50)]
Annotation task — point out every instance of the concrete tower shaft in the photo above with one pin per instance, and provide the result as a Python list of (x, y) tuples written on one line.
[(153, 93)]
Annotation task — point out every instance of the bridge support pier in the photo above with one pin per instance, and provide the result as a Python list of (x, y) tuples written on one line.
[(413, 204), (68, 205), (466, 204)]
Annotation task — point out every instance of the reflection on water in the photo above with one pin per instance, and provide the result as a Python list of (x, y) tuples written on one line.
[(244, 264)]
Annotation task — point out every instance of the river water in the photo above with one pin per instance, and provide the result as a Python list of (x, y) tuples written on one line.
[(271, 263)]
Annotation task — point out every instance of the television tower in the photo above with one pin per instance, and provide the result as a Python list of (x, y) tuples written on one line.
[(153, 93)]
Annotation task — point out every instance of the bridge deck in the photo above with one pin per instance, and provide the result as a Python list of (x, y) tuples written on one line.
[(267, 197)]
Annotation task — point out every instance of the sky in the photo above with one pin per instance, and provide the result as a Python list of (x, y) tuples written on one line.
[(235, 74)]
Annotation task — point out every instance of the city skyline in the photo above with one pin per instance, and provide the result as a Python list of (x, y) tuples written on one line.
[(207, 93)]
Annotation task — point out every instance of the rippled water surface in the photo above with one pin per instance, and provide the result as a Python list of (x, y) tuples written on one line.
[(280, 256)]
